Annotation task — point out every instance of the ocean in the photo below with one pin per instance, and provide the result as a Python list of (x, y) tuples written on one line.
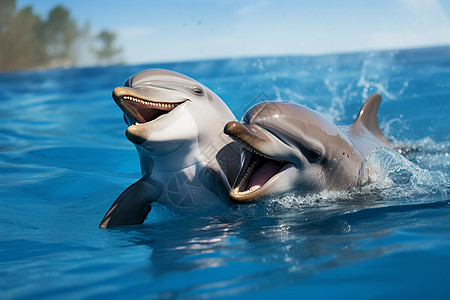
[(64, 159)]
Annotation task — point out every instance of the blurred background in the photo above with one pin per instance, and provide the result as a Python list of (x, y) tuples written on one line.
[(64, 33)]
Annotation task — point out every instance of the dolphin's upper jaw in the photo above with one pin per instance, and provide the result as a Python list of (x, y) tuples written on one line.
[(138, 109)]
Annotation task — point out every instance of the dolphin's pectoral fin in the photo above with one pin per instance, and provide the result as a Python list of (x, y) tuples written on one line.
[(367, 118), (133, 205)]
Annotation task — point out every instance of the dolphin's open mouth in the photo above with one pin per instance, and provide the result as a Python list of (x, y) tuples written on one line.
[(143, 110), (256, 171)]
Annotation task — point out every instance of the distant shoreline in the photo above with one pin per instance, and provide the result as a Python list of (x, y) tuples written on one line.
[(437, 48)]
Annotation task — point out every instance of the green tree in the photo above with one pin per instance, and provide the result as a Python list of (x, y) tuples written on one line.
[(21, 44), (61, 33), (7, 10), (27, 41), (108, 52)]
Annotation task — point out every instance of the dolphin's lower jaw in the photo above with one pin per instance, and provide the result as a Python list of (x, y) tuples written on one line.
[(256, 177)]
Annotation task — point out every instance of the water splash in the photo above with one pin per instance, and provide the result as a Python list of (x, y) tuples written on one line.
[(398, 178), (336, 109), (368, 80)]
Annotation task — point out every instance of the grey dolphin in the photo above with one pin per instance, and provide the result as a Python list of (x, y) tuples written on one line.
[(186, 160), (289, 147)]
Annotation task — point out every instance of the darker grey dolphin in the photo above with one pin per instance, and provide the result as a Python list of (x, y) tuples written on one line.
[(289, 147)]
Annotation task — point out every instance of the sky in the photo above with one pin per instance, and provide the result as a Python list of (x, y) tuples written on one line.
[(166, 31)]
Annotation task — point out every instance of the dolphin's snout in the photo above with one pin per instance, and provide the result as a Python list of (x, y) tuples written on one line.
[(118, 92), (249, 134), (232, 128), (243, 132)]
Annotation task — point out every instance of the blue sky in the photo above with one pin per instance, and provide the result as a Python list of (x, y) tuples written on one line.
[(157, 31)]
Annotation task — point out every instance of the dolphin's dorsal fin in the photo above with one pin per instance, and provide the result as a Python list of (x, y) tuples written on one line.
[(367, 118)]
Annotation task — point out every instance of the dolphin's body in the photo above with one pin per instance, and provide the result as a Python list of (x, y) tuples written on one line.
[(288, 147), (186, 160)]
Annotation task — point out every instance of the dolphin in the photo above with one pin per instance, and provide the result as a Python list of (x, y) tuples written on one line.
[(289, 147), (186, 160)]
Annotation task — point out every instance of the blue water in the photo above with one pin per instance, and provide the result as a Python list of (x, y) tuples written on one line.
[(64, 159)]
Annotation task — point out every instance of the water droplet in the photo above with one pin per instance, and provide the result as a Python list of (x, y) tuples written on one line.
[(400, 176)]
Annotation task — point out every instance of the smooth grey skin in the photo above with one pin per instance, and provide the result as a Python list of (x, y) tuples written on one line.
[(289, 147), (186, 160)]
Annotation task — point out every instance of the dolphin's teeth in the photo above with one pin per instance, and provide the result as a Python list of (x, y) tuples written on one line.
[(249, 169), (248, 172), (254, 188), (151, 103), (253, 150), (250, 190)]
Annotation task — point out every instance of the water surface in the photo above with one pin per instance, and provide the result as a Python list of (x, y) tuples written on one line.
[(64, 159)]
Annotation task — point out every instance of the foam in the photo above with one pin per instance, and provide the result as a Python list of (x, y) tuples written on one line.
[(397, 177)]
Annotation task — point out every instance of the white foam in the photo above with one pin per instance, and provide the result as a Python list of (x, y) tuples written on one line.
[(397, 177)]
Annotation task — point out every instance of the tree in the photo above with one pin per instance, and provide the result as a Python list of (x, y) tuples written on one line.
[(27, 41), (61, 33), (21, 44), (108, 52), (7, 10)]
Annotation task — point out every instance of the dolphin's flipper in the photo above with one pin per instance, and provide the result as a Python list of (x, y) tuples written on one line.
[(133, 205), (367, 118)]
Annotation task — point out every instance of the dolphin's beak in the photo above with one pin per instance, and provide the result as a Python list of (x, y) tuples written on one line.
[(245, 134)]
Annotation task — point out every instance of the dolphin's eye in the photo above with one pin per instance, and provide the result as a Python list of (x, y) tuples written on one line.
[(198, 91), (315, 155)]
